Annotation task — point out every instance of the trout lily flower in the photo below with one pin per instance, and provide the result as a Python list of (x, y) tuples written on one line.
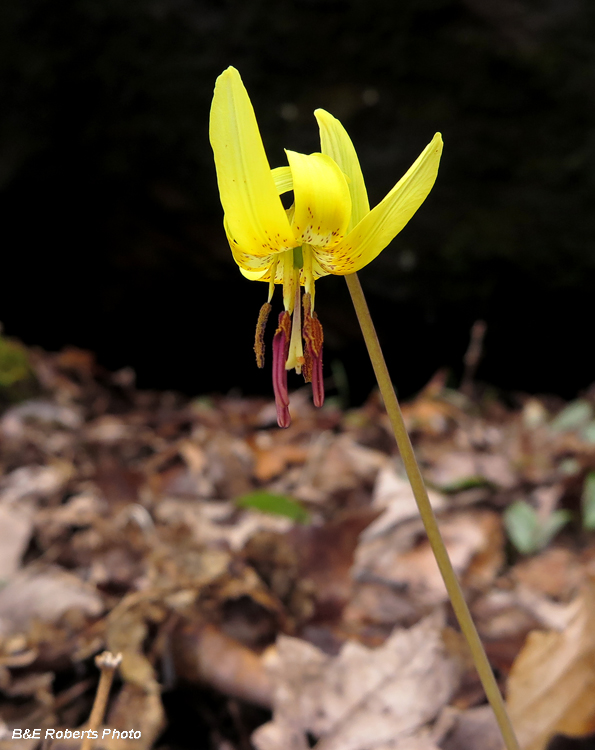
[(329, 229)]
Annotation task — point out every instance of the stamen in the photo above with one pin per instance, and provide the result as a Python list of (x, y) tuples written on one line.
[(317, 379), (263, 316), (313, 338), (307, 275), (290, 279), (280, 350), (273, 273)]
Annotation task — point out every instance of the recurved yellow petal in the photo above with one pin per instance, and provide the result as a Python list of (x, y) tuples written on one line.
[(373, 233), (283, 179), (255, 275), (253, 267), (256, 219), (335, 142), (322, 204)]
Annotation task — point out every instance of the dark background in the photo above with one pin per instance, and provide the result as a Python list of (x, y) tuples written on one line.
[(111, 228)]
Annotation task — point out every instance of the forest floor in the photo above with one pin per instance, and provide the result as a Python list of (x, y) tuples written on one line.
[(274, 589)]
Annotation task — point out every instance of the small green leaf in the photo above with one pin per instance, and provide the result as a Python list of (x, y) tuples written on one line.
[(569, 466), (277, 505), (14, 362), (573, 416), (527, 532), (466, 483), (588, 432), (551, 526), (589, 502), (521, 523)]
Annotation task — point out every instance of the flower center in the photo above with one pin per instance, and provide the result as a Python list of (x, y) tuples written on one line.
[(297, 343)]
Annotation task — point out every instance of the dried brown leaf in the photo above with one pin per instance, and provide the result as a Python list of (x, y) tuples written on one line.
[(325, 556), (46, 595), (403, 557), (16, 526), (457, 467), (362, 698), (335, 465), (215, 523), (35, 481), (468, 730), (551, 687), (555, 572), (393, 494), (138, 708), (126, 633), (273, 458)]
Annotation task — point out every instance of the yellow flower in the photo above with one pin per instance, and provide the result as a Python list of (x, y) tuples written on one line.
[(329, 229)]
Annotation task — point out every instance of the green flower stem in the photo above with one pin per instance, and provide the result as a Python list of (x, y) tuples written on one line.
[(427, 514)]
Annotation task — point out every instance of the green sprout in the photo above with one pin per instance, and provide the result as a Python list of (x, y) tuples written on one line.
[(14, 363), (528, 531), (276, 505), (589, 502)]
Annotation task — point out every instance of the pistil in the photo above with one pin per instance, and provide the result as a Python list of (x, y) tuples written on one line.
[(295, 359)]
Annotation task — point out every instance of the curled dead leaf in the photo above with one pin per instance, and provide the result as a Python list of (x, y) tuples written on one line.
[(202, 653)]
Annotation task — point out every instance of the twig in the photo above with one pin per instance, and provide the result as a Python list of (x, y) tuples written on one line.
[(107, 663), (427, 514)]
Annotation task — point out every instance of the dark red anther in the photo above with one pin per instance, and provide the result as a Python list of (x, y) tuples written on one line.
[(317, 380), (280, 352), (313, 339), (259, 337)]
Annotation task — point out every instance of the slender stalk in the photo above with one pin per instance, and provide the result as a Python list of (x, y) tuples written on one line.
[(427, 514), (107, 663)]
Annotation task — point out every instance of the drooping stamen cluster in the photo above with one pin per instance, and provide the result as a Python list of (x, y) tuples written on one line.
[(310, 364)]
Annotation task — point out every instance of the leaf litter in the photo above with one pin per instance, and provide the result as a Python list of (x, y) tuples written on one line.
[(275, 589)]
